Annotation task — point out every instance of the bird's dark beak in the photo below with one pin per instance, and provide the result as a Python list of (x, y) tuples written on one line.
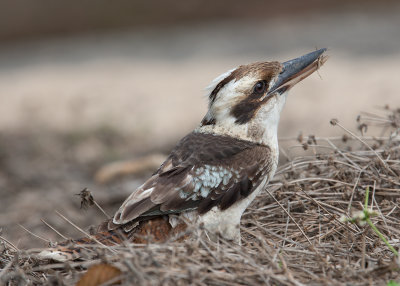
[(295, 70)]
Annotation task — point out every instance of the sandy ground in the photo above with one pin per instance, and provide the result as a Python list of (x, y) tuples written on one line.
[(151, 80), (68, 105)]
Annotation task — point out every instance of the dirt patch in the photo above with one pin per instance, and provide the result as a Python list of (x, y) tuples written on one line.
[(43, 172)]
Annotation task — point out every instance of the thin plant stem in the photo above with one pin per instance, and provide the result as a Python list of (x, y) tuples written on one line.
[(367, 215), (381, 236), (366, 199)]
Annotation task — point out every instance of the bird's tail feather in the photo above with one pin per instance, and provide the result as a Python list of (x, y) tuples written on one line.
[(154, 230)]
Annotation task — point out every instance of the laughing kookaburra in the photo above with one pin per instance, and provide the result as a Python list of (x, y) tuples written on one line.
[(216, 171)]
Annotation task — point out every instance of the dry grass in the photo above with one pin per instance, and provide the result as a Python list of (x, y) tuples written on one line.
[(292, 234)]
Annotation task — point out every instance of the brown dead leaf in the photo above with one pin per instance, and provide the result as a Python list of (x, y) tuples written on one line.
[(99, 274), (119, 169)]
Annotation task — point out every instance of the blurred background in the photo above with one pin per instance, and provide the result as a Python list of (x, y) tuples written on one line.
[(86, 83)]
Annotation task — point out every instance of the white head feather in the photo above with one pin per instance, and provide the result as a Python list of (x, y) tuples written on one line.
[(216, 80)]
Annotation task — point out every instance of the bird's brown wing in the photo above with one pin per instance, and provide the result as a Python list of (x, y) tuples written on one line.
[(203, 171)]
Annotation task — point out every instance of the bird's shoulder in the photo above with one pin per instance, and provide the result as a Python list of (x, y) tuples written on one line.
[(200, 149)]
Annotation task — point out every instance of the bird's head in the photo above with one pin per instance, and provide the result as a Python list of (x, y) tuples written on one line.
[(247, 101)]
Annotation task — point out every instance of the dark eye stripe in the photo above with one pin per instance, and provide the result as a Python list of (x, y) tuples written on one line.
[(245, 110)]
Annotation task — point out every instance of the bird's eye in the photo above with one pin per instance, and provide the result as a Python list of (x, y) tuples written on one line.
[(260, 87)]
